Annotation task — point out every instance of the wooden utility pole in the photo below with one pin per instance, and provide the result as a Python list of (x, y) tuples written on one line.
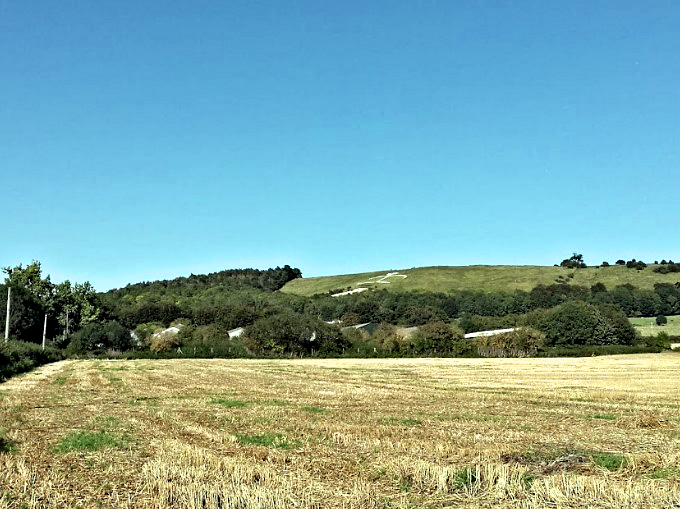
[(44, 331), (9, 296)]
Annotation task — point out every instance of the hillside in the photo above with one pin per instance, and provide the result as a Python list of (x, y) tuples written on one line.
[(481, 277)]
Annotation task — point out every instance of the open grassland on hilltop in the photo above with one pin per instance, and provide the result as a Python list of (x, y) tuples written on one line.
[(484, 278), (648, 326), (417, 433)]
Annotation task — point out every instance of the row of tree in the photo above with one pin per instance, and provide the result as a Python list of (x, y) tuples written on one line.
[(281, 324), (576, 261), (67, 307)]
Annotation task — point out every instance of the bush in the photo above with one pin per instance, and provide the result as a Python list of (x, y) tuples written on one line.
[(661, 340), (436, 337), (164, 341), (99, 337), (589, 351), (522, 342), (475, 323), (667, 268), (388, 341), (17, 357), (293, 334), (578, 323), (574, 262), (661, 320), (144, 331)]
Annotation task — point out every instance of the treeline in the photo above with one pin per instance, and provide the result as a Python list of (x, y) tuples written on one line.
[(231, 309), (417, 308), (269, 280), (272, 324), (570, 328)]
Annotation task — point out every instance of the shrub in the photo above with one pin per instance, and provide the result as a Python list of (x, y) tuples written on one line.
[(436, 337), (144, 331), (574, 262), (661, 320), (388, 341), (522, 342), (164, 341), (578, 323), (17, 357), (661, 340), (475, 323), (99, 337), (294, 334)]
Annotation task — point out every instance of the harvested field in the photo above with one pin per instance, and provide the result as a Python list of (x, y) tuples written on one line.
[(409, 433)]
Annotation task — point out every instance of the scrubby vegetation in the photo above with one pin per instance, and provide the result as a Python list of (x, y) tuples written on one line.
[(17, 357)]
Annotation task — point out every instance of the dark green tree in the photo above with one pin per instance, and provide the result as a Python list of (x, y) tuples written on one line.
[(574, 262)]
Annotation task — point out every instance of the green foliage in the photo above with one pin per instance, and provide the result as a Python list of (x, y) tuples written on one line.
[(436, 337), (7, 446), (574, 262), (268, 440), (387, 341), (661, 340), (314, 410), (465, 478), (67, 307), (592, 350), (164, 341), (90, 441), (294, 334), (577, 323), (522, 342), (667, 268), (26, 314), (17, 357), (609, 461), (99, 337), (475, 323), (144, 331), (661, 320)]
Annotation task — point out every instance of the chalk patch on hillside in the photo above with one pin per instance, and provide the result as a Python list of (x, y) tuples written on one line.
[(349, 292), (383, 280)]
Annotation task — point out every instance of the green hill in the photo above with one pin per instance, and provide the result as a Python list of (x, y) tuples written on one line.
[(482, 277)]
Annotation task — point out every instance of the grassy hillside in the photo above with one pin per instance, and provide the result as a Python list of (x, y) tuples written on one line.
[(483, 277), (648, 326)]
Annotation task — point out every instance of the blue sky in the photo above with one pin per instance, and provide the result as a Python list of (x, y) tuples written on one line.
[(144, 140)]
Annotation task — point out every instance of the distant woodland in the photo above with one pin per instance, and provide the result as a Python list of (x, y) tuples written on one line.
[(76, 320)]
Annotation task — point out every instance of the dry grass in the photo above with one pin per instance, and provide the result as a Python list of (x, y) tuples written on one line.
[(416, 433)]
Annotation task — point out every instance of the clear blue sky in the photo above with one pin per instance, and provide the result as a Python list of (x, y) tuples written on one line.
[(143, 139)]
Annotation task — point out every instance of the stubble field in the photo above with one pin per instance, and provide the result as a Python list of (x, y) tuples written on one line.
[(409, 433)]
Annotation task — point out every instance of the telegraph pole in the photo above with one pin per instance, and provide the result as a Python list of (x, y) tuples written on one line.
[(9, 295), (44, 331)]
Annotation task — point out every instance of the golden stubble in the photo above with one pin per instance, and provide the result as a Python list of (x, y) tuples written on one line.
[(359, 434)]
